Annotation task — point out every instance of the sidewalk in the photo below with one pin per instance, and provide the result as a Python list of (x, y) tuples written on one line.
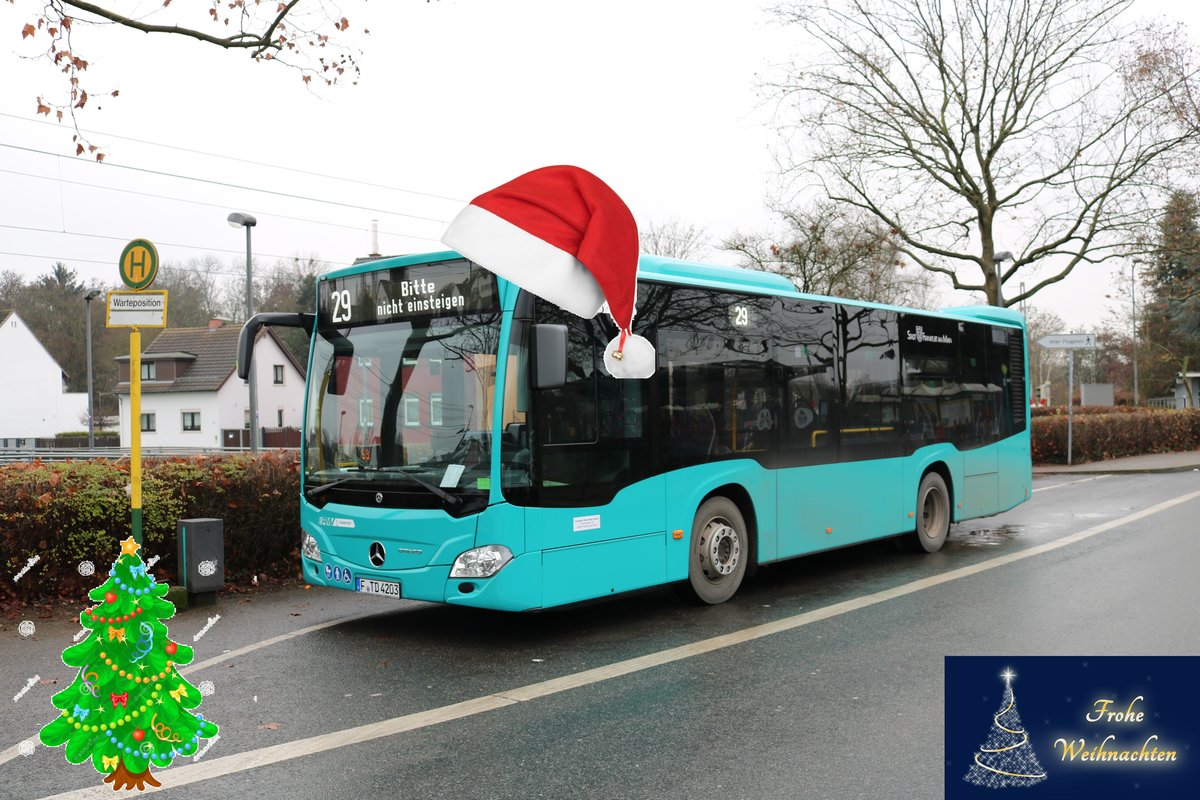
[(1155, 462)]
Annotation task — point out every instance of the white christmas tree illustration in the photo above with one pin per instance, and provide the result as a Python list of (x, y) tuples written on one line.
[(1006, 759)]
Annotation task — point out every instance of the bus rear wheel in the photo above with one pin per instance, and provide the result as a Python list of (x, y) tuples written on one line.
[(720, 550), (933, 514)]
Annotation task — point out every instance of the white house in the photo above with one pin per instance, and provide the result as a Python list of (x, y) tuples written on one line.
[(1181, 393), (34, 401), (192, 397)]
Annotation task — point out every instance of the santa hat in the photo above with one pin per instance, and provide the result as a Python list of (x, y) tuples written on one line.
[(564, 235)]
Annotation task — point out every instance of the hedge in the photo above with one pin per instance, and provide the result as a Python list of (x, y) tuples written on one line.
[(70, 512), (1099, 435)]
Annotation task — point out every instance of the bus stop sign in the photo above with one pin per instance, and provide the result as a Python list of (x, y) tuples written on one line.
[(139, 264)]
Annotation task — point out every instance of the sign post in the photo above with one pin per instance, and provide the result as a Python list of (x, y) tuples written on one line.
[(135, 310), (1070, 342)]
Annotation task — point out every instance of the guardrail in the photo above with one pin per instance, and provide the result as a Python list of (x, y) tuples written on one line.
[(15, 456), (1160, 402)]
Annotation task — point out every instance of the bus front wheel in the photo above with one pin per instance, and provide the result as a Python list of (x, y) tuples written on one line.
[(720, 550), (933, 514)]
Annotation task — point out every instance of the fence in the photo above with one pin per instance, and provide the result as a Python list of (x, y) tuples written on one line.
[(1160, 402)]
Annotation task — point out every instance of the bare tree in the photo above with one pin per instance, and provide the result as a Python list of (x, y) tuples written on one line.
[(304, 34), (969, 127), (835, 250), (674, 239)]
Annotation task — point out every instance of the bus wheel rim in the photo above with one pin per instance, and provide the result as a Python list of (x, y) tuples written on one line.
[(720, 549), (931, 513)]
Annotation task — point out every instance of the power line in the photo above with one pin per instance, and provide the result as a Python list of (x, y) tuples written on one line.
[(246, 161), (168, 244), (223, 206), (225, 185)]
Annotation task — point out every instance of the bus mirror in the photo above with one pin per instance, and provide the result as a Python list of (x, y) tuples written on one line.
[(281, 319), (549, 356)]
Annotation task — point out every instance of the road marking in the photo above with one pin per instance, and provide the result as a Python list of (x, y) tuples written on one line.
[(14, 751), (239, 762), (1069, 483)]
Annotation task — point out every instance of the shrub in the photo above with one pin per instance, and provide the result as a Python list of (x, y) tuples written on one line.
[(1099, 435), (70, 512)]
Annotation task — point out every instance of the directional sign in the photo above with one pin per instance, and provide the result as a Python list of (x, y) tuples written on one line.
[(139, 264), (1069, 341), (136, 310)]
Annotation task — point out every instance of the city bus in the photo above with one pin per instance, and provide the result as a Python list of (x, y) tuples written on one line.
[(463, 443)]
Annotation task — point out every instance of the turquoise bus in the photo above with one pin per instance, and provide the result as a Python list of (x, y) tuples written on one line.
[(463, 444)]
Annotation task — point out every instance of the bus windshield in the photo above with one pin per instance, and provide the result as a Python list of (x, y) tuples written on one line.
[(399, 406)]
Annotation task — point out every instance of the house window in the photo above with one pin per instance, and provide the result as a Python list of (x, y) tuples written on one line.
[(435, 366), (191, 420), (148, 423), (246, 419), (366, 413), (435, 408), (278, 369), (412, 411), (279, 417), (149, 371)]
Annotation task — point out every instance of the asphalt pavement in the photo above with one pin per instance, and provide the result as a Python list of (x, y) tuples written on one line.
[(822, 678)]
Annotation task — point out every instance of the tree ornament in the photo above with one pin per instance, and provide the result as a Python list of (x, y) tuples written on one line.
[(110, 597), (171, 648), (138, 735)]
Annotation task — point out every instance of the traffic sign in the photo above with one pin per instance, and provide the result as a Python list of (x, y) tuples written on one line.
[(1069, 341), (139, 264), (137, 310)]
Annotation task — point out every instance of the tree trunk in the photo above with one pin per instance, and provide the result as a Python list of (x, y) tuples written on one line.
[(121, 778)]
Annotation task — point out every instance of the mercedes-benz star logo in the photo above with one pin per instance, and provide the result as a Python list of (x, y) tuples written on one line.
[(379, 497), (378, 554)]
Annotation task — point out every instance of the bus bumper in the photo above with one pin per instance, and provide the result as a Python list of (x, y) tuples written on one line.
[(516, 587)]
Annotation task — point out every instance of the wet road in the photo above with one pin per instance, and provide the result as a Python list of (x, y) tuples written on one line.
[(838, 696)]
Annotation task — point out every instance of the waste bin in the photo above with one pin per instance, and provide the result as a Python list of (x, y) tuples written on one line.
[(201, 554)]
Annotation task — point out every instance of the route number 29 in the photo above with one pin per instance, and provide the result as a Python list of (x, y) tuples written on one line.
[(741, 316), (341, 306)]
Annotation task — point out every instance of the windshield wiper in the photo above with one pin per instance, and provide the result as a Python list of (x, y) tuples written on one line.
[(437, 490), (313, 491)]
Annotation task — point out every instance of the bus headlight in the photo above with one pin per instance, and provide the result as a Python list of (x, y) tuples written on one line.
[(309, 548), (482, 562)]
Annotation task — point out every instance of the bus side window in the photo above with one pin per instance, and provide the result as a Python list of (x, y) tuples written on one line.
[(806, 351), (870, 384), (719, 389), (590, 435)]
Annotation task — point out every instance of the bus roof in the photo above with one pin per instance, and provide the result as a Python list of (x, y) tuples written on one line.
[(690, 273)]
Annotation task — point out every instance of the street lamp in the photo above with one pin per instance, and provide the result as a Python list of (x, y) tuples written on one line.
[(1003, 255), (1133, 299), (87, 299), (247, 221)]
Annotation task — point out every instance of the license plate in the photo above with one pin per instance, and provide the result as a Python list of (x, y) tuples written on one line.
[(372, 586)]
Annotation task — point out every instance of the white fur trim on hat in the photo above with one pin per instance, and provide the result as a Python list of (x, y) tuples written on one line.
[(528, 261), (638, 359)]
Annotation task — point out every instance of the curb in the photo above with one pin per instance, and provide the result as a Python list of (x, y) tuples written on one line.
[(1065, 470)]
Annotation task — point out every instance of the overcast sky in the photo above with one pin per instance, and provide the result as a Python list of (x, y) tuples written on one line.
[(660, 98)]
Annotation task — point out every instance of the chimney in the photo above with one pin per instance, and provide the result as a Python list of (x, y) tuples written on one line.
[(215, 322), (374, 239)]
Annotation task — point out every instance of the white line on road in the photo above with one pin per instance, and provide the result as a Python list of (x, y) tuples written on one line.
[(239, 762), (1069, 483), (14, 751)]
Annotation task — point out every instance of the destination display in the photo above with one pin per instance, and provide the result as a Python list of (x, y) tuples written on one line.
[(446, 289)]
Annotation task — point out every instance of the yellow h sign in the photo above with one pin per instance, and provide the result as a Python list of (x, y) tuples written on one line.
[(139, 264)]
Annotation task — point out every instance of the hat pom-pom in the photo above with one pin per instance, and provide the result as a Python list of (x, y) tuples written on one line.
[(634, 359)]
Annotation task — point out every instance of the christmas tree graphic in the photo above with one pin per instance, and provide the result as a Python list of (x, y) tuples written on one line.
[(128, 708), (1006, 759)]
